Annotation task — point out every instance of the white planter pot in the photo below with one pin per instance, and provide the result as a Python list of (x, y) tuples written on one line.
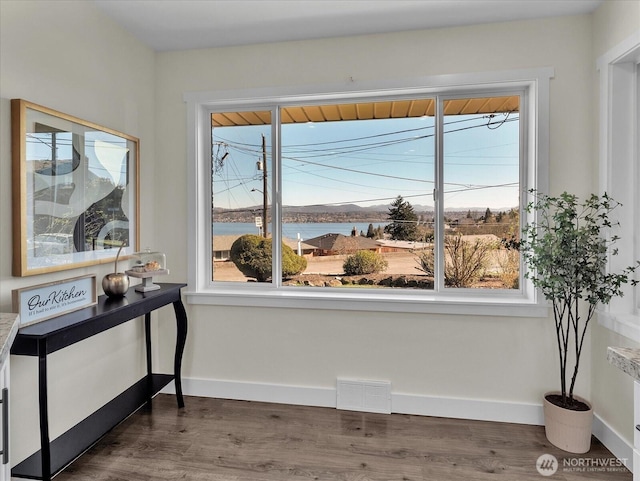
[(566, 429)]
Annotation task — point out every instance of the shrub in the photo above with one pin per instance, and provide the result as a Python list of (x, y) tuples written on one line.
[(426, 262), (292, 263), (509, 263), (364, 262), (252, 256), (465, 262)]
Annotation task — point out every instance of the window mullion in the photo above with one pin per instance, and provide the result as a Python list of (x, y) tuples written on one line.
[(438, 281), (276, 204)]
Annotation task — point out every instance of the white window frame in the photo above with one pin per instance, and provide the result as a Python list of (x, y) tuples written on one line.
[(619, 171), (202, 290)]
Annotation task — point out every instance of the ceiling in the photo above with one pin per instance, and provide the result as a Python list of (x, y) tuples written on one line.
[(187, 24)]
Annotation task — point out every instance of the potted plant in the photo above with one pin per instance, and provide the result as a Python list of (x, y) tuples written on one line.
[(566, 249)]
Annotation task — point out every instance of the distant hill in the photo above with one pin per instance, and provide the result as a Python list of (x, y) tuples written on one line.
[(324, 209)]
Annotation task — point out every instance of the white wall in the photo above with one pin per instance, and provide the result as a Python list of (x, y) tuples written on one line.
[(67, 56), (481, 358), (612, 390)]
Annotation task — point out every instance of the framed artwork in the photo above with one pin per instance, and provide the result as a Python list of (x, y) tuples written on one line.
[(75, 191)]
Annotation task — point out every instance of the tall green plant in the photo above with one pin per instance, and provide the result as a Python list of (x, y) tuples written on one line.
[(566, 249)]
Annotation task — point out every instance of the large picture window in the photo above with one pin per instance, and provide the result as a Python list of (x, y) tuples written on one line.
[(359, 195), (383, 197)]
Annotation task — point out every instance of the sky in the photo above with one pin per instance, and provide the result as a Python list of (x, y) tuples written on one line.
[(372, 162)]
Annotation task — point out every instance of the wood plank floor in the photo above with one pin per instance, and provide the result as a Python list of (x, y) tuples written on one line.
[(222, 440)]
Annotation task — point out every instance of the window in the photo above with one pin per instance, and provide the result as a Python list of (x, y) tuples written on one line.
[(379, 197)]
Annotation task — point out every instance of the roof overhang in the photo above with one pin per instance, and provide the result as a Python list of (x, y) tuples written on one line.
[(394, 109)]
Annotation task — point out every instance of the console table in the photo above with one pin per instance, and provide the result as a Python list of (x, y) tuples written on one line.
[(59, 332)]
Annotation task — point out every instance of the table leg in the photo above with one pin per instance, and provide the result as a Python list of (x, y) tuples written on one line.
[(181, 339), (147, 335), (45, 448)]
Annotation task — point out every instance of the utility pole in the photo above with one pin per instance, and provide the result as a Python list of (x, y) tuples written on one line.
[(264, 188)]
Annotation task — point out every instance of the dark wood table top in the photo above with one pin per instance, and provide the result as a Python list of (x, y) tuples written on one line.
[(67, 329)]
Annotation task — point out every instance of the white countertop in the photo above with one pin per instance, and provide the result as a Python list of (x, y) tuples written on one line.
[(625, 359), (9, 325)]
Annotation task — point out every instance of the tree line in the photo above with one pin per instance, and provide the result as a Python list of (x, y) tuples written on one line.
[(404, 224)]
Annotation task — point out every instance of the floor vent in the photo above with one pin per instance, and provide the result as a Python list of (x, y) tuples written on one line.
[(366, 396)]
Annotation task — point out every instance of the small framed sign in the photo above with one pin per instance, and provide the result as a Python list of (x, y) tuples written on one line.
[(44, 301)]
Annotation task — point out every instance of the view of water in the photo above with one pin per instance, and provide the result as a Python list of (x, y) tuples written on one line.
[(306, 230)]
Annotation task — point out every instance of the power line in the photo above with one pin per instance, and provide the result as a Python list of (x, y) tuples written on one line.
[(333, 180), (341, 151), (387, 176), (373, 146), (254, 148), (480, 187)]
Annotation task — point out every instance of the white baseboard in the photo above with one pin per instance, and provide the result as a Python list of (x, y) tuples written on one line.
[(614, 442), (459, 408), (250, 391), (463, 408)]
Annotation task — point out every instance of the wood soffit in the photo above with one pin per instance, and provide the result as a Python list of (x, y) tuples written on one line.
[(369, 111)]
